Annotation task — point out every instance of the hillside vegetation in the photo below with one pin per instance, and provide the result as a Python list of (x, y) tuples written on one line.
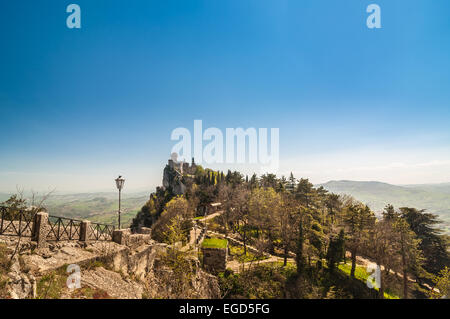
[(317, 235)]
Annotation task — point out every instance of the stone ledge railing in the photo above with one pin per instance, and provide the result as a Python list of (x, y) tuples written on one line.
[(43, 228), (52, 228), (132, 239)]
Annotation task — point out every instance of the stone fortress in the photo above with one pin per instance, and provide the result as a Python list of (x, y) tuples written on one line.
[(181, 166), (174, 172)]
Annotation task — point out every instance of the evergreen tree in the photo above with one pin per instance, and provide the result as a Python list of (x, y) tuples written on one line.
[(358, 219), (336, 250), (432, 243), (253, 181), (304, 192), (408, 249)]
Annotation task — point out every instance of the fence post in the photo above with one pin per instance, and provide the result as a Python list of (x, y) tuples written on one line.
[(40, 229), (85, 230)]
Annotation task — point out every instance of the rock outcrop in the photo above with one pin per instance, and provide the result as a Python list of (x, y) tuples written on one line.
[(108, 270), (21, 283), (177, 176)]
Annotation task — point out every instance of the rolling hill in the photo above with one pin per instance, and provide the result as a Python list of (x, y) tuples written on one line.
[(435, 198)]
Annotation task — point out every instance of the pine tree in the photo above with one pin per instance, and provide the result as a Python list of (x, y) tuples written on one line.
[(336, 250), (358, 220), (408, 249), (304, 192), (433, 244)]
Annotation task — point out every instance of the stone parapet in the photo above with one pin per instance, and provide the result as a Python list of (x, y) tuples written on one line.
[(127, 238)]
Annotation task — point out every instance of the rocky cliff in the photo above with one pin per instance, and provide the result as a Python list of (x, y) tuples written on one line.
[(174, 174), (172, 180), (107, 269)]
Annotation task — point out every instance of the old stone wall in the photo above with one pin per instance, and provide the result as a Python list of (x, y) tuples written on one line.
[(127, 238), (215, 259)]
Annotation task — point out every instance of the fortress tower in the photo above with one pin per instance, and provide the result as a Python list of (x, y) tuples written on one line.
[(181, 166)]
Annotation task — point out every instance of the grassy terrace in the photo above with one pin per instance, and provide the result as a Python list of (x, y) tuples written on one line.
[(362, 274), (237, 252), (214, 243)]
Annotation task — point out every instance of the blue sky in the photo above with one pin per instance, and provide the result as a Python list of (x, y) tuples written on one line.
[(79, 107)]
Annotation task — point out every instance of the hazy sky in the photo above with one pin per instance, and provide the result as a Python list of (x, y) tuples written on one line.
[(79, 107)]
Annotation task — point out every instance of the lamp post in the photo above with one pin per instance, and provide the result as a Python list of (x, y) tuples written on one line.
[(119, 183)]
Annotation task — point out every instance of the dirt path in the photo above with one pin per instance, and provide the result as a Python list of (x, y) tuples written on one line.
[(208, 217), (370, 265), (237, 267)]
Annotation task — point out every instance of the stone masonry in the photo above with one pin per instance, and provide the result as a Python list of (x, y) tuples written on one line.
[(215, 259), (127, 238), (40, 229)]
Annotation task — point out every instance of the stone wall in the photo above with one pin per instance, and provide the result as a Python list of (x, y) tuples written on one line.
[(137, 261), (215, 259), (133, 240)]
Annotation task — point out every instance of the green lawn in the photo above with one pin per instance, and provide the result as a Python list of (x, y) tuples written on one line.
[(362, 274), (237, 252), (214, 243)]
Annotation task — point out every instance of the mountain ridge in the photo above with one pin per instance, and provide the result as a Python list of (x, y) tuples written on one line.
[(434, 198)]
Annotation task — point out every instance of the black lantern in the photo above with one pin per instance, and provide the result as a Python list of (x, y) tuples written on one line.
[(119, 183)]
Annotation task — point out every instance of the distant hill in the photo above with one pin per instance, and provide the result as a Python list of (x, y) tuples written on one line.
[(435, 198), (97, 207), (439, 188), (4, 196)]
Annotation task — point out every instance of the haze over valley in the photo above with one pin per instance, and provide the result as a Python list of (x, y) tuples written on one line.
[(102, 206)]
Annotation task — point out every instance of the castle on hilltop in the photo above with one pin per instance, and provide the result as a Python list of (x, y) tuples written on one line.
[(174, 172), (182, 167)]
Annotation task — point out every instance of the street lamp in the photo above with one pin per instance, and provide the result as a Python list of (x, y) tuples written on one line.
[(119, 183)]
